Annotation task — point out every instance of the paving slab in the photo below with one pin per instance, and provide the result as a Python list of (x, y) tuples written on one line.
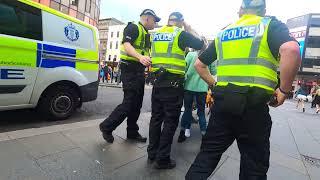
[(115, 155), (89, 137), (43, 145), (141, 170), (307, 145), (143, 123), (17, 164), (313, 167), (288, 162), (72, 164), (230, 171), (281, 139), (51, 129)]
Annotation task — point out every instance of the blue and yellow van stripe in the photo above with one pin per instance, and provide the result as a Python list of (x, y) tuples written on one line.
[(50, 56), (55, 51)]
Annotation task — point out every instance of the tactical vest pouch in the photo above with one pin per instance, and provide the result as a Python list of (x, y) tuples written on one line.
[(160, 74), (165, 79), (234, 99)]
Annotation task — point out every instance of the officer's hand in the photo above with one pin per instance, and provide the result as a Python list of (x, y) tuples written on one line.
[(279, 98), (145, 60)]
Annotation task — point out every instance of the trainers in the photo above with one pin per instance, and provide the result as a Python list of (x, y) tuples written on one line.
[(181, 137), (168, 165), (187, 133), (137, 138), (203, 133), (108, 137)]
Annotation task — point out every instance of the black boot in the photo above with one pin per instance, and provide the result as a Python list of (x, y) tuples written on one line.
[(108, 137), (151, 159), (165, 165), (181, 137), (137, 138)]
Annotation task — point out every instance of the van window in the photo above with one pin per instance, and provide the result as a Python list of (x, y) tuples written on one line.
[(18, 19)]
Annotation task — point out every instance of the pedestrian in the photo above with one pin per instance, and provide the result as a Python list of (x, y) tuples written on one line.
[(135, 56), (119, 76), (248, 55), (313, 93), (197, 88), (101, 74), (115, 74), (105, 72), (110, 74), (302, 96), (168, 65), (317, 100)]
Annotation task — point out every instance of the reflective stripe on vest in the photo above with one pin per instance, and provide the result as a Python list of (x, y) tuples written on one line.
[(248, 61), (247, 79), (166, 55), (168, 66), (253, 59)]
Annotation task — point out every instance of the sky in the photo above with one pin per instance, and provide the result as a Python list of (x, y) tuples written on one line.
[(207, 17)]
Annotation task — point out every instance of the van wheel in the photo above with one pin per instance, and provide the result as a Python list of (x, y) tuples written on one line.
[(59, 103)]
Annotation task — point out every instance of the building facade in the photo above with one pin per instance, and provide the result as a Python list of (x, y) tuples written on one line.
[(104, 26), (115, 36), (85, 10), (306, 30)]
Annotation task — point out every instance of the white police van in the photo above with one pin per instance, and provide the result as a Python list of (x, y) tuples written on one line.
[(48, 60)]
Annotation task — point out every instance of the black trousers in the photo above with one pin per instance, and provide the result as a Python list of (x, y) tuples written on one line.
[(166, 108), (251, 130), (132, 75)]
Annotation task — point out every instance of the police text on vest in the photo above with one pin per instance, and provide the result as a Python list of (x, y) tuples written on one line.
[(239, 33), (163, 37)]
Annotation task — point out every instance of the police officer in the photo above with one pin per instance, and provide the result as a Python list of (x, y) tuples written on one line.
[(168, 64), (248, 56), (135, 56)]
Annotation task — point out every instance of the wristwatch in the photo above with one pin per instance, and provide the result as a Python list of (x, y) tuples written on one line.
[(284, 92)]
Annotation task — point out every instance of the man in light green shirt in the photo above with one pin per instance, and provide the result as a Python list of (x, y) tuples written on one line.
[(194, 88)]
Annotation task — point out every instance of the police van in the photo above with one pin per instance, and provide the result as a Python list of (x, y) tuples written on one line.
[(48, 60)]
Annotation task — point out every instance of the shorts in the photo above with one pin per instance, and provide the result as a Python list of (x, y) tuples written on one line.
[(304, 98)]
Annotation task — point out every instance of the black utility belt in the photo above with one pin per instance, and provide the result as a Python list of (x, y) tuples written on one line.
[(169, 83), (132, 66), (234, 99)]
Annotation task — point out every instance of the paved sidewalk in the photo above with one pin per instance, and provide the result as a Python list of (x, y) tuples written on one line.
[(78, 152)]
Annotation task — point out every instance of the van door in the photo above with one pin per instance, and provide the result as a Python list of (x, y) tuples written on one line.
[(20, 32)]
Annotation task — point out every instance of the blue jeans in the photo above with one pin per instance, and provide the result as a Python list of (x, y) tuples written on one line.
[(187, 115)]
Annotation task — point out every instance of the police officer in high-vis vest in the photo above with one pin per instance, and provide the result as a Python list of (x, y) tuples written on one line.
[(135, 57), (168, 64), (248, 52)]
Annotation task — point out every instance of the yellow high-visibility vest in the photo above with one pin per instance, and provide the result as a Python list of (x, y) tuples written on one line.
[(139, 45), (244, 57), (166, 52)]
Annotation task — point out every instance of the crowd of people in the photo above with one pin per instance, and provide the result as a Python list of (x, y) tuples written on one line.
[(109, 74), (303, 94)]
